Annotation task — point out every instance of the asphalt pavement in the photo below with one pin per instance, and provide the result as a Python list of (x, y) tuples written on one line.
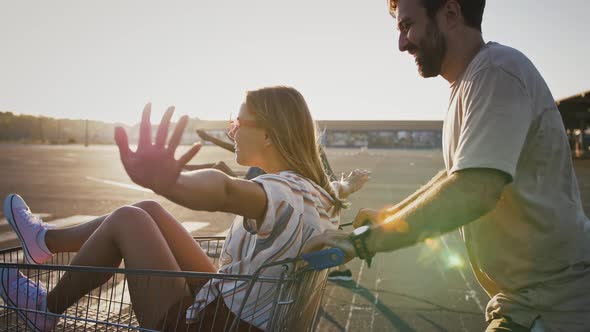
[(428, 287)]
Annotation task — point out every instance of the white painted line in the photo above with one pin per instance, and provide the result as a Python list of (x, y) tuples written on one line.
[(39, 215), (120, 184), (236, 220), (472, 293), (193, 226), (352, 306), (379, 266), (224, 233)]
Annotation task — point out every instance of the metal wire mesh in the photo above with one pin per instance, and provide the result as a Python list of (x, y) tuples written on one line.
[(295, 300)]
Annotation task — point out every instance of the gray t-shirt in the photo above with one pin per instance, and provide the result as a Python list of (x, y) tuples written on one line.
[(531, 253)]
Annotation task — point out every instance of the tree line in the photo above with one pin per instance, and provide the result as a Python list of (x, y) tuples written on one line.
[(31, 129), (41, 129)]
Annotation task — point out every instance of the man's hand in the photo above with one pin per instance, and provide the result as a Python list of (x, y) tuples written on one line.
[(331, 239), (203, 135), (153, 165), (374, 217), (366, 217)]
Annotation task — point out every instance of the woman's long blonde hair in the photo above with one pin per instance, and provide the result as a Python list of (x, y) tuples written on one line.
[(284, 114)]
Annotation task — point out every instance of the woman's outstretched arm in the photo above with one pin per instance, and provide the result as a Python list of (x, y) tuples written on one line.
[(213, 190), (154, 166)]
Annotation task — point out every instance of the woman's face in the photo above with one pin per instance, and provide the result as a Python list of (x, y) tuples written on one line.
[(249, 138)]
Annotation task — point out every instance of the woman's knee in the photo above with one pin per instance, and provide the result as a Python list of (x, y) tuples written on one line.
[(150, 206), (127, 217), (155, 210)]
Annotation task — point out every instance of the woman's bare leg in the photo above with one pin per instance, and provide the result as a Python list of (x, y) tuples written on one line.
[(73, 238), (186, 250), (130, 234)]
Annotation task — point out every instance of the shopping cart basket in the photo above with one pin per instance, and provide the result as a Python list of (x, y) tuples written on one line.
[(296, 294)]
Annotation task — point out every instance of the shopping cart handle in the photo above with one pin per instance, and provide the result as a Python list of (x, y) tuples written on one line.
[(324, 259)]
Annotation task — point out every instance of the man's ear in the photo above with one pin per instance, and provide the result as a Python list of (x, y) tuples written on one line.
[(451, 14)]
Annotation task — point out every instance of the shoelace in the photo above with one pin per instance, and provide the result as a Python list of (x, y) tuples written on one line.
[(33, 221), (28, 288)]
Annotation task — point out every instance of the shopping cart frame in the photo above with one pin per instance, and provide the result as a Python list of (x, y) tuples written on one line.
[(295, 301)]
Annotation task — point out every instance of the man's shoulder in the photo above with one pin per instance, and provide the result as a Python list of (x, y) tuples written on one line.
[(498, 57), (496, 48), (495, 56)]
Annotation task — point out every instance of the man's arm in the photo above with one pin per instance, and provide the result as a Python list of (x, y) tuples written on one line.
[(457, 200), (449, 203), (435, 181), (219, 142), (376, 217)]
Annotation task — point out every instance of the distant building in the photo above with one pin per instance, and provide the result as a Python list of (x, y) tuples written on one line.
[(575, 112), (371, 134)]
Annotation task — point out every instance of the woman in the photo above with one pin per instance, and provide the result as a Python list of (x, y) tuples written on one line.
[(282, 210)]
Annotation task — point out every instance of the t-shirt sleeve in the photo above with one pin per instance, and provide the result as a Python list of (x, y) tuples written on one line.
[(282, 201), (497, 113)]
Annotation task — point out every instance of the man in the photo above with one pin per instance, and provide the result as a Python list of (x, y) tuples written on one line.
[(508, 183)]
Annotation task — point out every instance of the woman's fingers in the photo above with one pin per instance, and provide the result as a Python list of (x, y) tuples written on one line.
[(177, 134), (145, 128), (187, 156), (162, 134), (122, 143)]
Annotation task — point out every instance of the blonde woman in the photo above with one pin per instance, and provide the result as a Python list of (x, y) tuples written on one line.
[(282, 210)]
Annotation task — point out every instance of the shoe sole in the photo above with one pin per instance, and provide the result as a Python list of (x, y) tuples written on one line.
[(21, 314), (10, 219)]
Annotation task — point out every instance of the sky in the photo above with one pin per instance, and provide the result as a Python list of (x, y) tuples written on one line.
[(103, 60)]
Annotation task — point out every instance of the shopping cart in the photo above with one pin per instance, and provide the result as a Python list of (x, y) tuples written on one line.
[(296, 294)]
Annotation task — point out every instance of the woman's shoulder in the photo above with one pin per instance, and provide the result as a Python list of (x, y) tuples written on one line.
[(301, 193), (288, 179), (294, 181)]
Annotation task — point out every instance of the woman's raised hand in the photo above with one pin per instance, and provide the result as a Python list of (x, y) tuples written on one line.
[(153, 165)]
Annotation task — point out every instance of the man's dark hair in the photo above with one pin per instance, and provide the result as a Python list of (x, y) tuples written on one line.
[(472, 10)]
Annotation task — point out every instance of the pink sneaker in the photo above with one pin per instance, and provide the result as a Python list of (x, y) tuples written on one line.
[(28, 298), (29, 228)]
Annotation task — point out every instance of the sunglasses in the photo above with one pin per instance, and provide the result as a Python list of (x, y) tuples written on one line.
[(235, 124)]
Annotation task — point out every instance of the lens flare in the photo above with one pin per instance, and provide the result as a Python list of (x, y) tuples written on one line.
[(454, 261), (432, 244), (400, 226)]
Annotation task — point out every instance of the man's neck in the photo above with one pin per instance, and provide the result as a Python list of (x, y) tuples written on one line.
[(460, 51)]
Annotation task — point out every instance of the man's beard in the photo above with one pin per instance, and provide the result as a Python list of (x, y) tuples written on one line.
[(431, 51)]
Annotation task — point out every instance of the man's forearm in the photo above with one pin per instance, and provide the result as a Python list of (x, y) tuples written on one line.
[(219, 142), (435, 181), (453, 202)]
